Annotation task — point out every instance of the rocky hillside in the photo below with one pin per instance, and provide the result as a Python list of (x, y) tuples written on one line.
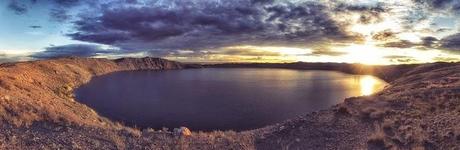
[(43, 90), (419, 109)]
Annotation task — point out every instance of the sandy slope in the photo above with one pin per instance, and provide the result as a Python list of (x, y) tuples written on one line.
[(419, 109)]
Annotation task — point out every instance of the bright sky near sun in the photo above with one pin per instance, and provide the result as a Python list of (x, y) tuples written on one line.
[(351, 31)]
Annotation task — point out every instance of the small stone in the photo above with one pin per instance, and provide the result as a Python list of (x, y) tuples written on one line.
[(75, 145), (182, 131), (57, 129), (6, 97), (282, 127)]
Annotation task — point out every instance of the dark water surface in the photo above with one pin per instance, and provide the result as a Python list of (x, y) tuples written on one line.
[(219, 99)]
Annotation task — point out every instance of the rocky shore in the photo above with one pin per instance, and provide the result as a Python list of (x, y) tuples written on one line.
[(419, 109)]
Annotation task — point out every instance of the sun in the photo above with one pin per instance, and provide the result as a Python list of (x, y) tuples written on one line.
[(364, 54)]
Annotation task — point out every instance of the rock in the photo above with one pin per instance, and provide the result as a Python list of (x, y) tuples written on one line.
[(282, 127), (182, 131), (148, 63), (6, 97)]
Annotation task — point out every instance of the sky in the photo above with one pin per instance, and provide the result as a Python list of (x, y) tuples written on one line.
[(209, 31)]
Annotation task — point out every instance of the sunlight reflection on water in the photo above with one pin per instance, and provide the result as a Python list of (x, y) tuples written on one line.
[(368, 85)]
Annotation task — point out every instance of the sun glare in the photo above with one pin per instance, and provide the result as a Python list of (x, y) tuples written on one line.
[(363, 54)]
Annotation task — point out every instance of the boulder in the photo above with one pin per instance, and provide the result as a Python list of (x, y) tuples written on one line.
[(182, 131)]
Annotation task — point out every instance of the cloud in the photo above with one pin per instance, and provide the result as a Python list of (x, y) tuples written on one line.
[(196, 25), (82, 50), (368, 13), (326, 51), (262, 1), (399, 44), (35, 26), (59, 14), (17, 7), (438, 4), (447, 59), (429, 41), (7, 57), (205, 28), (378, 8), (451, 42), (59, 10), (247, 52), (426, 42), (443, 30), (401, 59), (3, 58), (450, 5), (385, 35), (235, 51)]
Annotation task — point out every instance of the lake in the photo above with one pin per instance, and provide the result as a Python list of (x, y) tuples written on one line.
[(217, 98)]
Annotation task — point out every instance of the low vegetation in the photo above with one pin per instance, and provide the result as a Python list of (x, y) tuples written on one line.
[(419, 110)]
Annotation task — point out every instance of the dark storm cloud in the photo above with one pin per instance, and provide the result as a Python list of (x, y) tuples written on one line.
[(82, 50), (207, 25), (451, 42), (17, 7), (195, 25)]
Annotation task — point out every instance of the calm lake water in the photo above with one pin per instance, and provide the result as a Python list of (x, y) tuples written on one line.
[(219, 99)]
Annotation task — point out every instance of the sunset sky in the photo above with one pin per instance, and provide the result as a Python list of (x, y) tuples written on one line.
[(352, 31)]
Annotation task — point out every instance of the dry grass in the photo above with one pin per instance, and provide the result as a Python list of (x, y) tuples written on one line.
[(43, 90), (418, 110), (377, 140), (373, 113)]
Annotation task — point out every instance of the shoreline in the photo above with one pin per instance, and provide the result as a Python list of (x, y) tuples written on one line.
[(39, 93)]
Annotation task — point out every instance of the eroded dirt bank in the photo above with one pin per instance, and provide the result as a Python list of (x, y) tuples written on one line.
[(419, 109)]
